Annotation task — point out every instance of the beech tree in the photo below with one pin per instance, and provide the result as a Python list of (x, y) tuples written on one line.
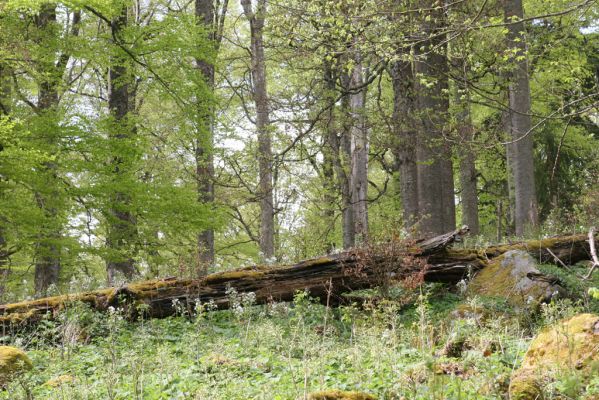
[(519, 123), (256, 17)]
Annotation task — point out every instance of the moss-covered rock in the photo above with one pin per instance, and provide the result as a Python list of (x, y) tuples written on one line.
[(569, 347), (13, 361), (514, 276), (339, 395)]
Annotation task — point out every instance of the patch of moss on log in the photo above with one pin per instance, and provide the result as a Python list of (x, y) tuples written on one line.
[(244, 273), (340, 395)]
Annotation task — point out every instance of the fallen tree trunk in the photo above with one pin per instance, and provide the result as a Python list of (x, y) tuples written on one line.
[(324, 277)]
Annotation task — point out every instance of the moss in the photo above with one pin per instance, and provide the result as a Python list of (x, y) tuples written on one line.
[(571, 345), (340, 395), (60, 380), (13, 361), (315, 262), (525, 386), (506, 277), (245, 273)]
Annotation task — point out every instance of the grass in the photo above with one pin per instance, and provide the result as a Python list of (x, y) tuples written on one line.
[(394, 350)]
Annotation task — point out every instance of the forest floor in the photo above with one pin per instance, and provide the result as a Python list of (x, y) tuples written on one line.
[(416, 344)]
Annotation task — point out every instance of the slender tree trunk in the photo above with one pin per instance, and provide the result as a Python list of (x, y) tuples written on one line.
[(468, 173), (48, 248), (267, 227), (436, 201), (526, 213), (359, 155), (121, 237), (5, 94), (330, 152), (404, 146), (344, 168), (204, 11)]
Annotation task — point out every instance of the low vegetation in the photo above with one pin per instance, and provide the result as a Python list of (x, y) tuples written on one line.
[(430, 342)]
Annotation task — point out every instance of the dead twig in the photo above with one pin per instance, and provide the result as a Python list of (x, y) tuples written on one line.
[(560, 262), (593, 253)]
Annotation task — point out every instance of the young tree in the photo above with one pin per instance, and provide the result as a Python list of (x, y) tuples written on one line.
[(359, 152)]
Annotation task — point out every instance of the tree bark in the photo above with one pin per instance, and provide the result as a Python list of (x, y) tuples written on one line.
[(267, 229), (48, 247), (324, 277), (526, 213), (121, 237), (344, 167), (205, 15), (359, 155), (404, 145), (435, 167), (330, 151), (5, 94), (468, 173)]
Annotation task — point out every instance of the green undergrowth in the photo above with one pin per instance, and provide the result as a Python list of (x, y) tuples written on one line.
[(411, 346)]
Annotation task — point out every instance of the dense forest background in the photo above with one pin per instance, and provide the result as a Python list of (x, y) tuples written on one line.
[(157, 138)]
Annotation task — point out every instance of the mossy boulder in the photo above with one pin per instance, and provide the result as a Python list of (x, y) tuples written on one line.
[(571, 347), (514, 276), (13, 361), (339, 395)]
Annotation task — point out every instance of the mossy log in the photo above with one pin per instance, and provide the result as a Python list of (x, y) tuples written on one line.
[(325, 277)]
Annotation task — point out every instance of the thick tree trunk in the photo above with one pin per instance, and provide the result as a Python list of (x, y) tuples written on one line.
[(121, 237), (435, 167), (265, 164), (325, 277), (359, 155), (526, 213), (404, 145), (204, 12)]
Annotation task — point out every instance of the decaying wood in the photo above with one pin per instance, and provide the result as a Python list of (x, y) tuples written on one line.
[(325, 277)]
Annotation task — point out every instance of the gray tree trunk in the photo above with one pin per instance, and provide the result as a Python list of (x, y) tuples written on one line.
[(330, 152), (359, 155), (522, 163), (48, 248), (404, 144), (204, 12), (344, 167), (267, 229), (436, 203), (121, 237)]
